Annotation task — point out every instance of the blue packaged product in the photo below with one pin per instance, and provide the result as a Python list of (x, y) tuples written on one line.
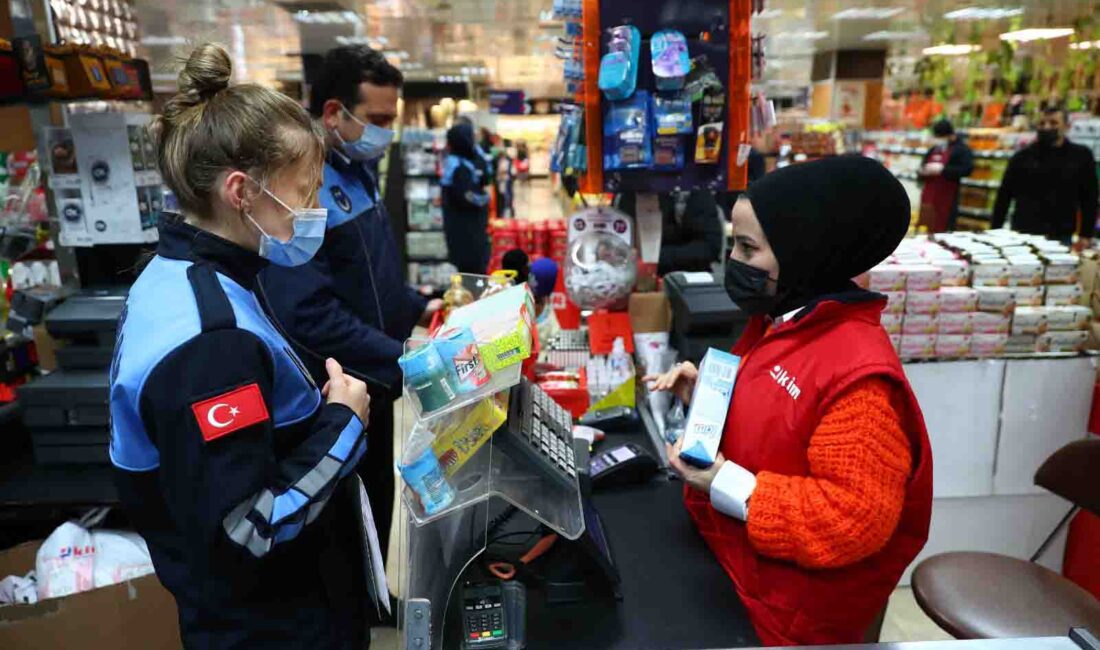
[(627, 134), (669, 57), (709, 403), (619, 67), (458, 349), (425, 476), (427, 376)]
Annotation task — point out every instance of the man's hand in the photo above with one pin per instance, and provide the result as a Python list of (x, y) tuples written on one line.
[(699, 479), (429, 311)]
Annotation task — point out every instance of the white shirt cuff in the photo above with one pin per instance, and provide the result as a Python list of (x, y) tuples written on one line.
[(731, 489)]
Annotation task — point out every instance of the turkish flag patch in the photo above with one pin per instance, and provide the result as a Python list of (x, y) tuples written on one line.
[(239, 408)]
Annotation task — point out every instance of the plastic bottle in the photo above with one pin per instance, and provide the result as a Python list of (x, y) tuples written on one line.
[(618, 362), (675, 422), (422, 472), (457, 295)]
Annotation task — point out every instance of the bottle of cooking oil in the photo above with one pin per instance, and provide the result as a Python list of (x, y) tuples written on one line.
[(456, 296)]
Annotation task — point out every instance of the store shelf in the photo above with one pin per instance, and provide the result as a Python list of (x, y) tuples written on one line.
[(414, 229), (911, 151), (432, 177), (975, 212), (427, 258), (906, 176), (980, 183)]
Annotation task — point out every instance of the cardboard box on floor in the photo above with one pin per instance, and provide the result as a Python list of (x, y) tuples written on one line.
[(650, 312), (134, 614)]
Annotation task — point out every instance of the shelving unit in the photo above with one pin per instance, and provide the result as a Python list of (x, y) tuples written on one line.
[(421, 160)]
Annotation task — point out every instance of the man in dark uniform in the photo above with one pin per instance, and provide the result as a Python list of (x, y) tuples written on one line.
[(351, 302), (1051, 181)]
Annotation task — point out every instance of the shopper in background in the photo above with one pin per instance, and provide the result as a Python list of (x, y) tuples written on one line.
[(517, 260), (506, 178), (542, 280), (691, 229), (232, 465), (465, 202), (351, 302), (523, 162), (821, 495), (941, 169), (1053, 182)]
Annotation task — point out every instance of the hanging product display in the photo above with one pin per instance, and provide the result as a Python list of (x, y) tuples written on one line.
[(619, 67), (627, 137), (670, 59), (634, 124), (672, 121), (99, 200)]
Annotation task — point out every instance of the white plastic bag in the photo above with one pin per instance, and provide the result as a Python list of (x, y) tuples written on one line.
[(19, 590), (74, 559)]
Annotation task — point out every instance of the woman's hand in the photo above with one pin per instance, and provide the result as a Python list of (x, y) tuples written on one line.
[(699, 479), (680, 380), (346, 390)]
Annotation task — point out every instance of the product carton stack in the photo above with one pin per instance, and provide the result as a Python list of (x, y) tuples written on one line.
[(982, 295), (1090, 284)]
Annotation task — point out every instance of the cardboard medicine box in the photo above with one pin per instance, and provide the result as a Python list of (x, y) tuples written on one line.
[(709, 403)]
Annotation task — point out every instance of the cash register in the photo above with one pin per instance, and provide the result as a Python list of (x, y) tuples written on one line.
[(703, 316)]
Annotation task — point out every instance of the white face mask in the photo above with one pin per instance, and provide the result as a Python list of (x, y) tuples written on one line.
[(309, 234)]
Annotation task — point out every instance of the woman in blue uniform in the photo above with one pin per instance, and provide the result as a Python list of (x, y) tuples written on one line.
[(465, 202), (235, 468)]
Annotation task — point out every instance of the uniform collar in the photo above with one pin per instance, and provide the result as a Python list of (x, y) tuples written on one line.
[(180, 240), (344, 166)]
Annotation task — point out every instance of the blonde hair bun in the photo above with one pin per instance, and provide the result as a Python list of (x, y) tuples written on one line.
[(206, 72)]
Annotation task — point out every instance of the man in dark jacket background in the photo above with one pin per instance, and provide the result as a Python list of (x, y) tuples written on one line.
[(691, 233), (1050, 180)]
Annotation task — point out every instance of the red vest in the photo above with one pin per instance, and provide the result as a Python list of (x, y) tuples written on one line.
[(787, 380)]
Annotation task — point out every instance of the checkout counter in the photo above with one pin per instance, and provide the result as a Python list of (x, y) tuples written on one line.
[(541, 541)]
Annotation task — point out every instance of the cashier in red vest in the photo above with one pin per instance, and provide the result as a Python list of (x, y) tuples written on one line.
[(943, 166), (821, 493)]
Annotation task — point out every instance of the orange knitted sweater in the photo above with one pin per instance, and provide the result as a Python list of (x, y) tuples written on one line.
[(848, 506)]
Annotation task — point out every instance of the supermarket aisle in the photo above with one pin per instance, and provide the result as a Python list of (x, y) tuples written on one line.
[(538, 200)]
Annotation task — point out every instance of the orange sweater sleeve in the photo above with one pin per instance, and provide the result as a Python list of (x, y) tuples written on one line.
[(850, 504)]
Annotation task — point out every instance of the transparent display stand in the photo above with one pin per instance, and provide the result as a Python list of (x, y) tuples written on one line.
[(473, 441)]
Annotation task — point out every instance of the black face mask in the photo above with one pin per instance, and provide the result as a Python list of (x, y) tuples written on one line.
[(747, 287), (1047, 137)]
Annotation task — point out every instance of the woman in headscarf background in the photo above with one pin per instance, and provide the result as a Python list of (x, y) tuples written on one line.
[(821, 495), (465, 202)]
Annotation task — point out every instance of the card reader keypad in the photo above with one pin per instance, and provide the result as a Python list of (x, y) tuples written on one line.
[(483, 619)]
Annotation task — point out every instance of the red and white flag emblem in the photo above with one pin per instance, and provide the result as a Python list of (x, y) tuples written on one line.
[(239, 408)]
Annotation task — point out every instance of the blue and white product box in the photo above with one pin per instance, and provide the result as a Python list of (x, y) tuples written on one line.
[(709, 404)]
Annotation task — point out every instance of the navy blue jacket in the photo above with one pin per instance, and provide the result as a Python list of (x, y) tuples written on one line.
[(252, 525), (351, 301)]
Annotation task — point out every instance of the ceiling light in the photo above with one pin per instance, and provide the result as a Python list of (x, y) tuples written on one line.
[(868, 13), (949, 49), (163, 41), (895, 35), (1085, 45), (805, 35), (327, 17), (984, 13), (1025, 35)]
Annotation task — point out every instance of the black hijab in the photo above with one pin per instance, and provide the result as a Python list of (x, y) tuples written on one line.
[(460, 140), (828, 221)]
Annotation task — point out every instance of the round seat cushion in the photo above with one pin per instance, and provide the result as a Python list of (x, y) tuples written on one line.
[(989, 596)]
